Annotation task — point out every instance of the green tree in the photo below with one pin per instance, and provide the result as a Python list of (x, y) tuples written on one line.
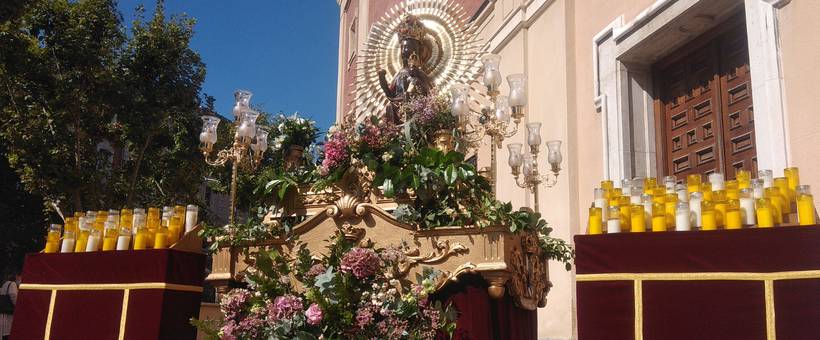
[(92, 117), (163, 77)]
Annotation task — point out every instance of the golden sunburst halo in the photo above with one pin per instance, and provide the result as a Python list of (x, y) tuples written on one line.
[(451, 37)]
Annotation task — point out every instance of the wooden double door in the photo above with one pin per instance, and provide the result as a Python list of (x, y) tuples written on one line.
[(704, 112)]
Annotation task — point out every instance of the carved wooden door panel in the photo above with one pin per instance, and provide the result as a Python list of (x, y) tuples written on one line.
[(736, 104), (704, 113), (690, 105)]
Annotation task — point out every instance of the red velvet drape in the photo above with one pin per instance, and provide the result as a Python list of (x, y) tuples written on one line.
[(481, 317)]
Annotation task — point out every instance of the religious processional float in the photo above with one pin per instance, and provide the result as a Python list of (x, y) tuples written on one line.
[(360, 243)]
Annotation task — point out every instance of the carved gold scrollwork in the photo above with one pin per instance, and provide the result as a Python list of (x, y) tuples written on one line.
[(441, 251), (530, 281), (447, 277)]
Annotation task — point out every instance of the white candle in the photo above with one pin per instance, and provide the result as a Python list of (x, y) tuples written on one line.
[(682, 217), (602, 203), (695, 208), (747, 209), (635, 199), (123, 242), (191, 213), (683, 195), (93, 243), (613, 225), (717, 181), (68, 245)]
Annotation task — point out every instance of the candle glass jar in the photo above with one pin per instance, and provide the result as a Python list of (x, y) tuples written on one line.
[(693, 183), (734, 219), (765, 213), (695, 208), (637, 221), (670, 206), (747, 206), (782, 184), (682, 217), (708, 216), (595, 221), (777, 203), (613, 224), (658, 217), (69, 242), (55, 231), (805, 209), (792, 174)]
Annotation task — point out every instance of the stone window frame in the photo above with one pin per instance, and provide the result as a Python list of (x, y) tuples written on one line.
[(624, 93)]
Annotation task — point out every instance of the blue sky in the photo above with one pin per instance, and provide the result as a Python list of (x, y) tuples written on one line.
[(284, 51)]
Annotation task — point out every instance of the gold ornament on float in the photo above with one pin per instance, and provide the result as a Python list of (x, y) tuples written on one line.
[(421, 45)]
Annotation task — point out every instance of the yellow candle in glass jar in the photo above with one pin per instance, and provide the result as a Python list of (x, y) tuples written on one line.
[(161, 239), (141, 239), (649, 184), (693, 183), (720, 207), (707, 216), (669, 208), (706, 190), (792, 175), (776, 203), (53, 238), (174, 229), (805, 209), (744, 179), (734, 219), (624, 206), (764, 212), (658, 217), (782, 184), (637, 218), (595, 221)]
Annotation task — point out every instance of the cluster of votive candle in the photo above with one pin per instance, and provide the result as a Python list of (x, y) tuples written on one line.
[(124, 229), (644, 204)]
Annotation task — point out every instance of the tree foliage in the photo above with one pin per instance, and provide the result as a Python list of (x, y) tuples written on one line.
[(93, 116)]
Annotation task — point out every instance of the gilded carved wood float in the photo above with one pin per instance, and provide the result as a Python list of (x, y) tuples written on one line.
[(510, 263)]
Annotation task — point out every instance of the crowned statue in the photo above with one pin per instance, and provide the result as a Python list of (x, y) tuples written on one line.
[(411, 80)]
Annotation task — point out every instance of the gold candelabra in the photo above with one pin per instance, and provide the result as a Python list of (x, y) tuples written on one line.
[(500, 120), (532, 178), (243, 152)]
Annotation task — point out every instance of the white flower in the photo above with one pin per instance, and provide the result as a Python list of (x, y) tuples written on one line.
[(387, 156)]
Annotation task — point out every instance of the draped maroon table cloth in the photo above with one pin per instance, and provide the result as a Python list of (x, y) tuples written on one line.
[(481, 317), (145, 294), (745, 284)]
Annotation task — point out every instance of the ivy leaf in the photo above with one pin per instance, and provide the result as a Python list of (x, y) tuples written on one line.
[(450, 174)]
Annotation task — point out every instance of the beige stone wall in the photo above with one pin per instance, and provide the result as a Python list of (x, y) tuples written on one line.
[(800, 52)]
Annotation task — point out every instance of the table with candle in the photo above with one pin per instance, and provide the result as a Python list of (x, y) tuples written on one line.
[(149, 294), (748, 283)]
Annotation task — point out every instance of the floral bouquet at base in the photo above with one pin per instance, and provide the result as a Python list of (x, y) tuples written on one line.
[(350, 293)]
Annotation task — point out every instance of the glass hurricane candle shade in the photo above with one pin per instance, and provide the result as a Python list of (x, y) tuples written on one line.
[(534, 135), (261, 141), (527, 165), (515, 156), (460, 94), (242, 101), (208, 135), (492, 75), (554, 156), (502, 109), (247, 125), (518, 89)]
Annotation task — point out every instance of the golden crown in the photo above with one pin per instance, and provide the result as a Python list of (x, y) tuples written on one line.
[(411, 28)]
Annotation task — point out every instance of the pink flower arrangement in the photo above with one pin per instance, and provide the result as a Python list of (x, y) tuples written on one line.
[(234, 303), (314, 314), (284, 307), (316, 270), (336, 152), (361, 262)]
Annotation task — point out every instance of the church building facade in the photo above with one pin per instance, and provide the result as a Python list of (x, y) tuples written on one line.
[(638, 88)]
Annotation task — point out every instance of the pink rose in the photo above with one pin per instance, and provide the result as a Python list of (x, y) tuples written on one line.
[(314, 314)]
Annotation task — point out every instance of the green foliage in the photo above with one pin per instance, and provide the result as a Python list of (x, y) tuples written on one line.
[(351, 286), (93, 118)]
